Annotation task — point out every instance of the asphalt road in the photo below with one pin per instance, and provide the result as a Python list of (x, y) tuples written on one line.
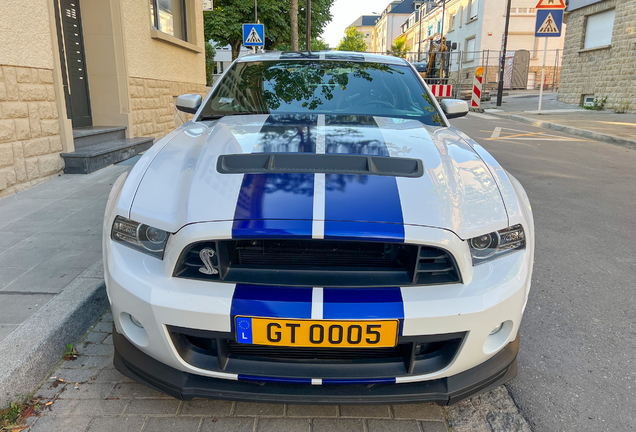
[(578, 338)]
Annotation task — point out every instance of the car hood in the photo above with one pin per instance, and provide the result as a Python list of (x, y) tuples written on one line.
[(182, 185)]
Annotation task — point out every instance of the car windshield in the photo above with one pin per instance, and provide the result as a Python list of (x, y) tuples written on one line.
[(322, 87)]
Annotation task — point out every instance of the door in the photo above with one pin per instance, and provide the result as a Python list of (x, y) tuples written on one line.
[(73, 62)]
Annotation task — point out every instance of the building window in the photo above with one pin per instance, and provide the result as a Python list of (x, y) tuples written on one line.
[(451, 23), (470, 49), (169, 16), (598, 30), (473, 10)]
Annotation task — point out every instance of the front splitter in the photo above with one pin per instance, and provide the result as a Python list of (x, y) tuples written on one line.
[(140, 367)]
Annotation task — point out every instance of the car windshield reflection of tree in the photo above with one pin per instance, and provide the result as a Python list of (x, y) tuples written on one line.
[(309, 83), (323, 87)]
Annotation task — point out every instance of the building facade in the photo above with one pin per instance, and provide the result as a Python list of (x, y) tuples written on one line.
[(599, 57), (365, 24), (70, 66), (477, 27), (389, 26)]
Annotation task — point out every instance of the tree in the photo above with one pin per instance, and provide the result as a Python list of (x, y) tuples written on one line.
[(316, 45), (293, 19), (210, 64), (353, 41), (224, 23), (400, 48)]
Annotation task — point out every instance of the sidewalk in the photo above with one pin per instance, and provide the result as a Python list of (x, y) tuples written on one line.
[(604, 125), (51, 281)]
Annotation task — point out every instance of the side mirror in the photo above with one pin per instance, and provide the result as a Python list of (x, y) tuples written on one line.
[(454, 108), (189, 103)]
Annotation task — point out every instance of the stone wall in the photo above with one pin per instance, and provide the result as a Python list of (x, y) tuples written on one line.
[(602, 72), (152, 105), (30, 143)]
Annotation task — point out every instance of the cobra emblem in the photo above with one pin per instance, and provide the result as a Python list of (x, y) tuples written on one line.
[(206, 256)]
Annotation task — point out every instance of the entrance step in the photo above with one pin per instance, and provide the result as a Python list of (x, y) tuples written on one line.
[(89, 159), (91, 135)]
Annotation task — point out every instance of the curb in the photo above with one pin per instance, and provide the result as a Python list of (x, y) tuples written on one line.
[(596, 136), (31, 351)]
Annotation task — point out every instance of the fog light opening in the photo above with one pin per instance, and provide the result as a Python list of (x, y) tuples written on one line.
[(498, 337), (136, 322), (494, 331), (133, 329)]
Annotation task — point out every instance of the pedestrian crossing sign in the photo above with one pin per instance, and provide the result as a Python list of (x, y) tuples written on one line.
[(549, 23), (253, 35)]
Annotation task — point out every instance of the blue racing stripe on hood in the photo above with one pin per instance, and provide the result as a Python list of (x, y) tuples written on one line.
[(278, 205), (271, 301), (274, 206), (360, 198)]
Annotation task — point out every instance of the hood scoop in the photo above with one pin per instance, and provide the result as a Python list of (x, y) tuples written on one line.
[(254, 163)]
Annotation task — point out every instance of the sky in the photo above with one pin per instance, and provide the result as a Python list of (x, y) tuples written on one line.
[(345, 12)]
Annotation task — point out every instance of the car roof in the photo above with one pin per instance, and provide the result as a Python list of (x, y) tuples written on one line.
[(323, 55)]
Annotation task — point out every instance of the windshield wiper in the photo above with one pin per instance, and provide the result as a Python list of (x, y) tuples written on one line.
[(218, 116)]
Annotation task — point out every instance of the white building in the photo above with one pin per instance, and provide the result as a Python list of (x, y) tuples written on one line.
[(388, 26), (477, 26)]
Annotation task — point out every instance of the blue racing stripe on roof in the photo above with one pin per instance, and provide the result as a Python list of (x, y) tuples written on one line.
[(271, 301), (274, 379), (358, 381), (363, 303)]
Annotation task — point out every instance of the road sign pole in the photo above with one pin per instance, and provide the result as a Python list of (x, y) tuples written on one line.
[(545, 51), (255, 16)]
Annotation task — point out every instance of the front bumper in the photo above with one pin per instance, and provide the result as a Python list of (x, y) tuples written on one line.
[(136, 365)]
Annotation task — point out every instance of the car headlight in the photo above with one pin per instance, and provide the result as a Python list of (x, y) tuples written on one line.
[(144, 238), (496, 244)]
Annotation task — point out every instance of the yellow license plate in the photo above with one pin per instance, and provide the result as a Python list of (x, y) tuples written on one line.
[(316, 333)]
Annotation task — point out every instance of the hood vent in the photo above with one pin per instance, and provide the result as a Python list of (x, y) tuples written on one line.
[(254, 163)]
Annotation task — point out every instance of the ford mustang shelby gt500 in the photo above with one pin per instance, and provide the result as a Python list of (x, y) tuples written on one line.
[(318, 233)]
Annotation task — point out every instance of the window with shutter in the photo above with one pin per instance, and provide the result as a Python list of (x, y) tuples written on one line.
[(598, 31), (474, 9)]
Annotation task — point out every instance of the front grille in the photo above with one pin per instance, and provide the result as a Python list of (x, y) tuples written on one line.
[(312, 254), (317, 263), (219, 351)]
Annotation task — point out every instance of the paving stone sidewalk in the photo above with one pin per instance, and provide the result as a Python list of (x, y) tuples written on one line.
[(95, 397)]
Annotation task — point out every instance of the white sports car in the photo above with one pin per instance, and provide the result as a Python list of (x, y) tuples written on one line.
[(318, 233)]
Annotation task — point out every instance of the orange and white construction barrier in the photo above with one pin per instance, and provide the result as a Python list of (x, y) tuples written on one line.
[(441, 90), (477, 85)]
